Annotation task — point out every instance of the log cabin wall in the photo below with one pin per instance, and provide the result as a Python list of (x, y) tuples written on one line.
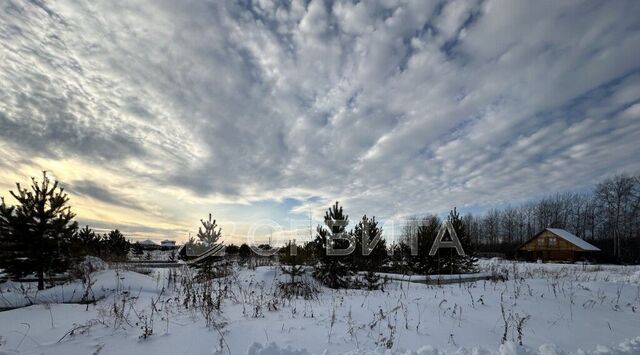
[(548, 246), (545, 241)]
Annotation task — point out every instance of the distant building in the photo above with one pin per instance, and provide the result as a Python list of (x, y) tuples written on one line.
[(168, 245), (553, 244), (149, 244)]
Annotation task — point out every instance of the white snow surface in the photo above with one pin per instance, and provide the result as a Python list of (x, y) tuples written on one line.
[(104, 283), (570, 309)]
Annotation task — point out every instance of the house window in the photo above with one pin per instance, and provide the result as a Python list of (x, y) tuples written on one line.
[(540, 242), (553, 242)]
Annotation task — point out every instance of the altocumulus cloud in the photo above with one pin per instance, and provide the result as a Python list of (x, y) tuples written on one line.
[(393, 107)]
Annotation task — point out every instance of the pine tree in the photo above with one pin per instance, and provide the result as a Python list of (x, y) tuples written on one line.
[(116, 245), (86, 242), (38, 230), (401, 257), (310, 252), (231, 249), (194, 247), (426, 234), (460, 263), (366, 258), (333, 270), (245, 251), (137, 249), (292, 260), (209, 236)]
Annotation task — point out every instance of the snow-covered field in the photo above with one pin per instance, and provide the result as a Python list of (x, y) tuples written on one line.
[(550, 308)]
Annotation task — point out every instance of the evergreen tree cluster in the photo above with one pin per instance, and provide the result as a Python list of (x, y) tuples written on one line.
[(421, 234), (110, 246), (38, 235), (339, 255)]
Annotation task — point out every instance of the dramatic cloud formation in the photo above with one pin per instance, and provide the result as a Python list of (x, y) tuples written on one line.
[(153, 113)]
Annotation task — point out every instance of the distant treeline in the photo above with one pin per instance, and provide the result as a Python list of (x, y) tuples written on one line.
[(608, 217)]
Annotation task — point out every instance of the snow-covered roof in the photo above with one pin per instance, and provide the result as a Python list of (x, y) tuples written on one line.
[(148, 242), (573, 239)]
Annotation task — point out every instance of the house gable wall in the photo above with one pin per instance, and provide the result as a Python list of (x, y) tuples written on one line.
[(561, 244)]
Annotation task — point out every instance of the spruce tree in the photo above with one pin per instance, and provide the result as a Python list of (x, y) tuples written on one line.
[(333, 270), (38, 230)]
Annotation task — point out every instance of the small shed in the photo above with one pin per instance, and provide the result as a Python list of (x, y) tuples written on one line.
[(554, 244)]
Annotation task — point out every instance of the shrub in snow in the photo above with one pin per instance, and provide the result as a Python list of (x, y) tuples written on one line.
[(93, 263), (300, 289), (273, 349)]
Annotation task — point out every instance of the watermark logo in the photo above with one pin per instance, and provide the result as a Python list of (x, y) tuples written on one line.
[(343, 243), (340, 242), (440, 243)]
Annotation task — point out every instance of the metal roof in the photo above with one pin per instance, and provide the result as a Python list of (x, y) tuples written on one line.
[(573, 239)]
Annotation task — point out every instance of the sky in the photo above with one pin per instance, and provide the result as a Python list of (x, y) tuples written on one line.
[(153, 114)]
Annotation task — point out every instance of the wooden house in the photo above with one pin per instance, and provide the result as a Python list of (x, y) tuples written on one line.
[(553, 244)]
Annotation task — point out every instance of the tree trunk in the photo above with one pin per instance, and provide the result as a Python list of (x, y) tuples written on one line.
[(40, 278)]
